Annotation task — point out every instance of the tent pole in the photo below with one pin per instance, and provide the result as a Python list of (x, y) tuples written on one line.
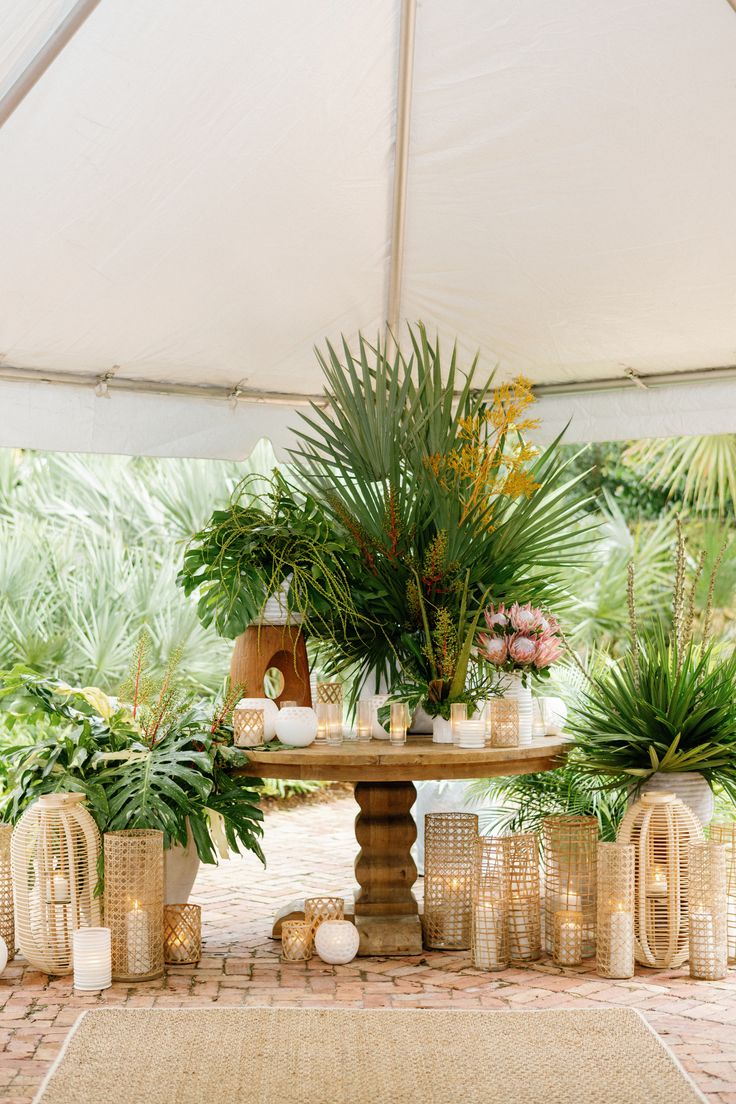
[(401, 164), (48, 53)]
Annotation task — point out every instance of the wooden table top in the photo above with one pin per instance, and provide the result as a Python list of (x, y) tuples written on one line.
[(418, 759)]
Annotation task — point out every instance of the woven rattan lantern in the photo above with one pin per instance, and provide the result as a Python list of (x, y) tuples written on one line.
[(615, 918), (249, 726), (134, 903), (661, 828), (504, 722), (7, 920), (490, 896), (182, 934), (449, 858), (54, 853), (296, 941), (724, 831), (524, 912), (569, 852), (319, 909), (330, 693), (707, 909)]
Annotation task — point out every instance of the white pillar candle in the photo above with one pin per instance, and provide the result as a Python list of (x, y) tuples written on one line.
[(520, 933), (707, 958), (568, 938), (92, 958), (621, 944), (488, 942), (139, 948)]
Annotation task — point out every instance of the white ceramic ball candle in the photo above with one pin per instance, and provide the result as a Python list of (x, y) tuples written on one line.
[(336, 942), (296, 725)]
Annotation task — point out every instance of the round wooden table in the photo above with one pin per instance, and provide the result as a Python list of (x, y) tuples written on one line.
[(386, 911)]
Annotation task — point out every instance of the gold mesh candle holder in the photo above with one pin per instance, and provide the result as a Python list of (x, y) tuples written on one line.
[(724, 831), (54, 854), (319, 909), (504, 722), (569, 852), (249, 727), (490, 896), (296, 941), (615, 919), (134, 903), (7, 921), (449, 856), (567, 937), (662, 829), (182, 934), (524, 911), (330, 693), (707, 907)]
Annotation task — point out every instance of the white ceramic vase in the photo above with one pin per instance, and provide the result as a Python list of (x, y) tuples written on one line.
[(181, 866), (689, 786), (296, 725), (441, 731), (513, 689), (276, 610)]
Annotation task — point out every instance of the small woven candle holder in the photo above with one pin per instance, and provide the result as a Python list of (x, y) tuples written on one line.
[(249, 727), (490, 896), (524, 911), (615, 919), (182, 934), (504, 722), (296, 941), (449, 859), (567, 937), (724, 831), (7, 921), (319, 909), (330, 693), (707, 905), (569, 851), (134, 903)]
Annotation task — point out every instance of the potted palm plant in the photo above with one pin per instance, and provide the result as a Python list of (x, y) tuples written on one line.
[(664, 715)]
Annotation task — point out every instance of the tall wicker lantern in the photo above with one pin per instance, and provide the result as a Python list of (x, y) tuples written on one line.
[(134, 903), (615, 920), (661, 828), (524, 910), (724, 831), (449, 854), (54, 854), (490, 895), (708, 915), (7, 921), (569, 847)]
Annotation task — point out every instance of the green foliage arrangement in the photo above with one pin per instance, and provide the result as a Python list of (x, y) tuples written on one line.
[(668, 704), (163, 763)]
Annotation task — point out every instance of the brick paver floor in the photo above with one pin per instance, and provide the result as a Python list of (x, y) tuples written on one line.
[(310, 850)]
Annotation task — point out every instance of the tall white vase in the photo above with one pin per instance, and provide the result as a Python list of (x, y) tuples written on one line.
[(181, 866), (513, 689)]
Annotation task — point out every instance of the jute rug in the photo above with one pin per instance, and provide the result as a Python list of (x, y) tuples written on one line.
[(316, 1056)]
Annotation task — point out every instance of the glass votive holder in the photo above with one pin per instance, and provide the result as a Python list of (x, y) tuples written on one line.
[(329, 692), (334, 724), (296, 941), (567, 939), (182, 934), (458, 713), (322, 722), (92, 957), (249, 727), (319, 909), (469, 734), (364, 721), (399, 723), (504, 722)]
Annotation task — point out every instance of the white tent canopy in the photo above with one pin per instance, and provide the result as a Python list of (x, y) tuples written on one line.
[(193, 194)]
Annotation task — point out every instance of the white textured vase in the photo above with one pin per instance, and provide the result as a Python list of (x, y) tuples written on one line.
[(513, 690), (441, 731), (276, 610), (689, 786), (181, 866)]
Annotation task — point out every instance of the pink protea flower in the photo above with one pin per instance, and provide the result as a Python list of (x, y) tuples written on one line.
[(522, 649), (496, 618), (493, 648), (549, 650), (524, 618)]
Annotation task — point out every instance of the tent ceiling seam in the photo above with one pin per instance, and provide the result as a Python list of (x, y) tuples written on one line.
[(407, 26)]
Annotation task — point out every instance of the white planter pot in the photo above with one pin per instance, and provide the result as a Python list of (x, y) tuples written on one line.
[(421, 723), (441, 731), (181, 865), (689, 786), (513, 689), (276, 610)]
